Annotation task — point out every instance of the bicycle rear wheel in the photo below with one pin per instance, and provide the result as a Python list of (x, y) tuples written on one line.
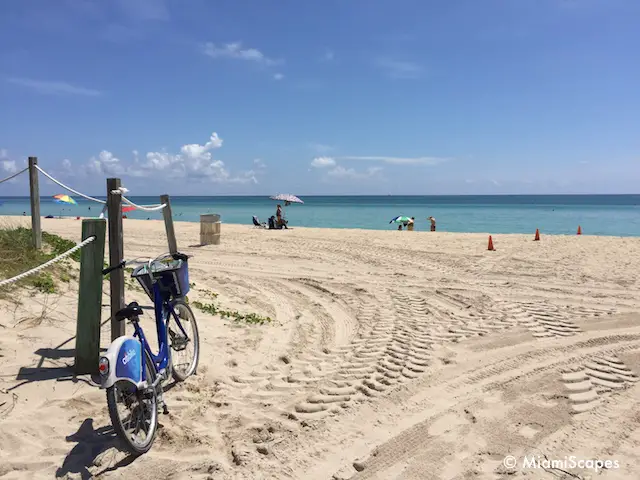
[(138, 423), (185, 351)]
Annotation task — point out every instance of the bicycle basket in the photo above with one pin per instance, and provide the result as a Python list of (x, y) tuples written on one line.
[(172, 277)]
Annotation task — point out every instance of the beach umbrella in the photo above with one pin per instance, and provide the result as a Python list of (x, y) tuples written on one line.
[(287, 198), (127, 208), (400, 219), (62, 198)]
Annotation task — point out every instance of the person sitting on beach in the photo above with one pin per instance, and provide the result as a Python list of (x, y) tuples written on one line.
[(433, 223), (400, 227), (410, 224)]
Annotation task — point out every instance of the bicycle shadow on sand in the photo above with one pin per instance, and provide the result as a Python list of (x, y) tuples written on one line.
[(96, 449)]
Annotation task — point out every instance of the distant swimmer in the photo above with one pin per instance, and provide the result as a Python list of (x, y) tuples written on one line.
[(433, 223)]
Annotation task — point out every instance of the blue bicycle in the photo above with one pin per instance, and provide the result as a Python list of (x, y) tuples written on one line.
[(130, 372)]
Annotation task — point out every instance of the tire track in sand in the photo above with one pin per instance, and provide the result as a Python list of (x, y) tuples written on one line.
[(473, 385), (593, 380)]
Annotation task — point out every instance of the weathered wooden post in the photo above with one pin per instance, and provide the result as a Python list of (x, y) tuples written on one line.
[(90, 297), (116, 252), (168, 223), (34, 192), (210, 229)]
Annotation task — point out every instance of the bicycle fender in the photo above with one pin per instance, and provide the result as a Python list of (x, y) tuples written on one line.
[(125, 362)]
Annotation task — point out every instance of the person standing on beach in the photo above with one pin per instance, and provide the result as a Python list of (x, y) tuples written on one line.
[(433, 223), (280, 222), (410, 224)]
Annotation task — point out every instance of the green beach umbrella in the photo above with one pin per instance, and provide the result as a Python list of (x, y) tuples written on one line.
[(400, 219)]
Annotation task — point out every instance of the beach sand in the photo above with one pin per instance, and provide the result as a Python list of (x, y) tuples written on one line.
[(393, 355)]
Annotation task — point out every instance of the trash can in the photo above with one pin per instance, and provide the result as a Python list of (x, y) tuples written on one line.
[(210, 229)]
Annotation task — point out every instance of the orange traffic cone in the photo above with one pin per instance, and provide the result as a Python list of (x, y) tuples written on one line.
[(490, 244), (579, 230), (537, 236)]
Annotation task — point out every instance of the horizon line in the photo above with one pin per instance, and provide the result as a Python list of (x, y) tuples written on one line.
[(378, 195)]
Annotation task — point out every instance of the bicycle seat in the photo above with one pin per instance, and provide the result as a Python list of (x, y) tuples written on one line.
[(128, 312)]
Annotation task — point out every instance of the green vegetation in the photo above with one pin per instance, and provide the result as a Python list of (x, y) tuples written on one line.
[(213, 309), (59, 245), (17, 255)]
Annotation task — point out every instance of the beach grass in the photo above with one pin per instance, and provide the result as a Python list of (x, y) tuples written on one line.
[(215, 309), (17, 255)]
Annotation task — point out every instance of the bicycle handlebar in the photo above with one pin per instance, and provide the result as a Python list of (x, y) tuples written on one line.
[(175, 256)]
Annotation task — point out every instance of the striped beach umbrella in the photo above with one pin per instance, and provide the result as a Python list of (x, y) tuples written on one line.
[(62, 198)]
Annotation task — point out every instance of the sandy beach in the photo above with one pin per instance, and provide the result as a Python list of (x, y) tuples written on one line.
[(392, 355)]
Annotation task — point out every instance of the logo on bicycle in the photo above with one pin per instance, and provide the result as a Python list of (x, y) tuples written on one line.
[(128, 356)]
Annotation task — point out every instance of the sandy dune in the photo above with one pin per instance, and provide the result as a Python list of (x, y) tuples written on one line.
[(393, 355)]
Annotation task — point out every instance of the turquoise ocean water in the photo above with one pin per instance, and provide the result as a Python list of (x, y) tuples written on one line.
[(553, 214)]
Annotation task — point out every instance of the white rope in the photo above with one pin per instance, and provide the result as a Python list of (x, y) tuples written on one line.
[(46, 264), (121, 191), (68, 188), (14, 175), (147, 208)]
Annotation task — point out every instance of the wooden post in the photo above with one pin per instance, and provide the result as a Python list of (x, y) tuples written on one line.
[(34, 191), (116, 252), (90, 297), (168, 223)]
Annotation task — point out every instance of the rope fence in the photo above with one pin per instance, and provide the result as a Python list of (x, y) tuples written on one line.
[(146, 208), (149, 208), (14, 175), (94, 232), (69, 188), (121, 191), (46, 264)]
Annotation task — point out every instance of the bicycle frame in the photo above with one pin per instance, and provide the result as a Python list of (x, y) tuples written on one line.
[(163, 308)]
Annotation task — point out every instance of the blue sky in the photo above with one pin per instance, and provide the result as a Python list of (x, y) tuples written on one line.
[(332, 97)]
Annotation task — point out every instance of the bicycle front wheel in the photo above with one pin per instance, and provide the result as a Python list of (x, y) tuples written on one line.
[(185, 350), (134, 414)]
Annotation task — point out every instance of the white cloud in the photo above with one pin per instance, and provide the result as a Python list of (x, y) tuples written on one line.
[(234, 50), (9, 166), (278, 76), (54, 87), (323, 162), (341, 172), (194, 161), (259, 164), (400, 160), (105, 164), (400, 69)]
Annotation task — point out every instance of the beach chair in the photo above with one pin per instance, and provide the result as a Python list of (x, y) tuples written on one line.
[(258, 224)]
